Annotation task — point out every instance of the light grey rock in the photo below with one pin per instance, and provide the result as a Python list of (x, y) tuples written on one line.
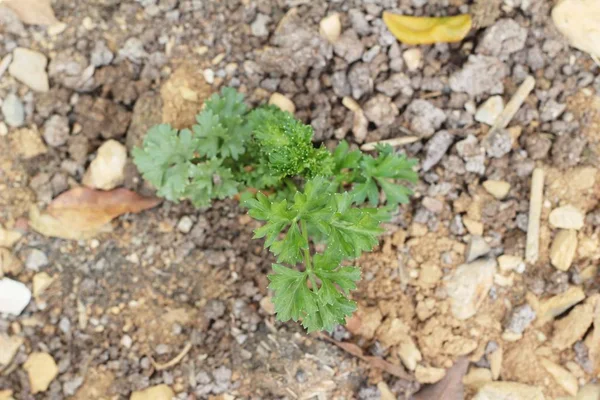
[(13, 111)]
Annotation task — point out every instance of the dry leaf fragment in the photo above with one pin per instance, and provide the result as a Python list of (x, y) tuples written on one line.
[(428, 30), (82, 212), (33, 12), (376, 362), (450, 387)]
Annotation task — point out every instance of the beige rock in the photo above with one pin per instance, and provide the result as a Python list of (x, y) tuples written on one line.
[(477, 247), (474, 227), (159, 392), (589, 392), (8, 237), (107, 170), (563, 249), (42, 370), (29, 67), (350, 103), (9, 345), (566, 217), (266, 303), (509, 336), (573, 327), (384, 390), (413, 58), (360, 126), (281, 101), (9, 263), (509, 391), (556, 305), (27, 143), (578, 21), (6, 394), (495, 358), (490, 110), (508, 263), (41, 282), (469, 285), (409, 354), (498, 189), (477, 377), (330, 27), (429, 374), (563, 377)]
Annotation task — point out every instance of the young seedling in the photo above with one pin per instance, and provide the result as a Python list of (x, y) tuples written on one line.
[(305, 195)]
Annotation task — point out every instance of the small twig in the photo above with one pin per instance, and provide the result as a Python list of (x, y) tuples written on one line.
[(514, 104), (401, 141), (535, 214), (174, 361)]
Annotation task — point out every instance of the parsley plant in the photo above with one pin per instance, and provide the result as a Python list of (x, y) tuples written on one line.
[(306, 196)]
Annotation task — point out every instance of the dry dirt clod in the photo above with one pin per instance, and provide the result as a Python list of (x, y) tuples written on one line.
[(9, 345), (566, 217), (42, 370), (9, 263), (159, 392), (563, 249)]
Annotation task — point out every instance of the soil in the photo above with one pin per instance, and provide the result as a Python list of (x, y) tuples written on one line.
[(131, 299)]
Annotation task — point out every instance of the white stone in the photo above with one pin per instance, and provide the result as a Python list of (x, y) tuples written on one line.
[(185, 224), (331, 27), (566, 217), (468, 287), (477, 247), (281, 101), (13, 111), (14, 296), (489, 110), (509, 263), (29, 67), (563, 249), (107, 170), (209, 76), (498, 189), (413, 58), (578, 21)]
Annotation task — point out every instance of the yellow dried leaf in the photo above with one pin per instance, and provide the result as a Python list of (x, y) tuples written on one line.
[(428, 30)]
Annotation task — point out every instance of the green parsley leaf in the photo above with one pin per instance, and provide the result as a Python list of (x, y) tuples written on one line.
[(164, 159)]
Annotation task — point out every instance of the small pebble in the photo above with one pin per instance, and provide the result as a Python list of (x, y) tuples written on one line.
[(185, 224), (13, 111)]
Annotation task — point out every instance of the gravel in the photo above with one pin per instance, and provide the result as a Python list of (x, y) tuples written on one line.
[(423, 117), (13, 111), (56, 130)]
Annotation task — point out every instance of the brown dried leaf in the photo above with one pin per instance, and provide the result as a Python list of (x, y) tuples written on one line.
[(33, 12), (375, 362), (82, 212), (450, 387)]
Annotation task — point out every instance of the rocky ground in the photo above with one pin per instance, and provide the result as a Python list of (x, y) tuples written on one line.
[(173, 301)]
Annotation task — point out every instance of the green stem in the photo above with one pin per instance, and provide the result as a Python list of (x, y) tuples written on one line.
[(307, 259)]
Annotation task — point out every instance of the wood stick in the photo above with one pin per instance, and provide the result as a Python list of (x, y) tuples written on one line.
[(400, 141), (535, 214), (514, 104)]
